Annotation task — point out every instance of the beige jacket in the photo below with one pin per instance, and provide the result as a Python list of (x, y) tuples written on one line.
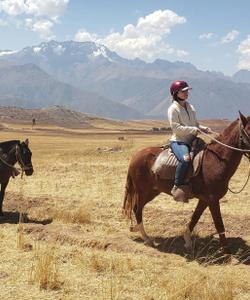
[(183, 122)]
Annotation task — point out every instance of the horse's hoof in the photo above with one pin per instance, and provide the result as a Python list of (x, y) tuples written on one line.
[(225, 250), (133, 228), (149, 243), (188, 246)]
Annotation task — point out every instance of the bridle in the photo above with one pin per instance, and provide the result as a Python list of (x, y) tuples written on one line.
[(244, 140), (19, 161)]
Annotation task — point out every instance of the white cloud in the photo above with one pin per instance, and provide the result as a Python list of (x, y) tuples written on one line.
[(43, 27), (84, 36), (145, 40), (40, 15), (206, 36), (12, 7), (52, 9), (228, 38), (244, 50)]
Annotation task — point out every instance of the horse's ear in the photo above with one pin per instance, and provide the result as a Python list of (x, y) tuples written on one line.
[(243, 119), (26, 142)]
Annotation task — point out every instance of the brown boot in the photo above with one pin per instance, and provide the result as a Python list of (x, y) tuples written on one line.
[(181, 193)]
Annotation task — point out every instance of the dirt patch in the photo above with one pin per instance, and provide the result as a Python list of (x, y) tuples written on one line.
[(236, 226), (15, 202), (164, 226)]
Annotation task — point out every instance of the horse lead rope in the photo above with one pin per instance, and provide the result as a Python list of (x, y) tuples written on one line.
[(233, 148)]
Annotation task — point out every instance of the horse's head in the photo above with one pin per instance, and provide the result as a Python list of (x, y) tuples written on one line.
[(244, 131), (24, 155)]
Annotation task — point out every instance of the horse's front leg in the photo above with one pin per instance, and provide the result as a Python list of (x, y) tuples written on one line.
[(214, 207), (201, 206)]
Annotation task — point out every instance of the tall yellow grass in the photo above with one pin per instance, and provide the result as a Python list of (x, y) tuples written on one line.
[(87, 251)]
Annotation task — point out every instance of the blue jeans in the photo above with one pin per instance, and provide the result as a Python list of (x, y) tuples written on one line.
[(180, 150)]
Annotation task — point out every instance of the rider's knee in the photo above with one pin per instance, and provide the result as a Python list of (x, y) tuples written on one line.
[(186, 158)]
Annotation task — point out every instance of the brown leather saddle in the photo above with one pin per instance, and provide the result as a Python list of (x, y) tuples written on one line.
[(166, 162)]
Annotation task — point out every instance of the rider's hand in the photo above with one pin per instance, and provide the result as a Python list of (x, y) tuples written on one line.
[(208, 130)]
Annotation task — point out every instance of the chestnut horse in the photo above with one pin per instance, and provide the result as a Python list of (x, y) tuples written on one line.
[(12, 152), (209, 186)]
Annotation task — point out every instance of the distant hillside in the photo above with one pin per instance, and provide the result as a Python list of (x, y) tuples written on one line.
[(28, 86), (116, 87), (55, 115), (242, 76), (64, 117)]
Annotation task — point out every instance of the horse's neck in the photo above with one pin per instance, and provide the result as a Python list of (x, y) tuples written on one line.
[(11, 156), (229, 158)]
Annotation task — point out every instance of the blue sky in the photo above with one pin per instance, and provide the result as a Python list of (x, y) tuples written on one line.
[(212, 35)]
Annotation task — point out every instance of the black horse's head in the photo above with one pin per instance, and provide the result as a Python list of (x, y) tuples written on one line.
[(24, 158)]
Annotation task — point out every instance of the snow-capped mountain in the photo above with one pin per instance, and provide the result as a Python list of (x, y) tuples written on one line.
[(139, 85)]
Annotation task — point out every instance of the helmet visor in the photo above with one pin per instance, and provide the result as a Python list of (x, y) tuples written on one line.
[(186, 89)]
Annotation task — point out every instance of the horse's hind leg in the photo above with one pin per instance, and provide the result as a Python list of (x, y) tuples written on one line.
[(201, 206), (139, 226), (138, 209)]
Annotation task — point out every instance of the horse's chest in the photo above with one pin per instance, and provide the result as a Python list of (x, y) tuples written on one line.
[(4, 174)]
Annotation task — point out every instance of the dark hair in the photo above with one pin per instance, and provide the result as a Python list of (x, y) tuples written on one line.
[(175, 97)]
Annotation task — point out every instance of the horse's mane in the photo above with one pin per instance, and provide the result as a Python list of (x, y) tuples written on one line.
[(5, 146), (226, 132)]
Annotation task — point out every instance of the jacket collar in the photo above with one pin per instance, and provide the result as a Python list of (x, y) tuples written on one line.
[(178, 105)]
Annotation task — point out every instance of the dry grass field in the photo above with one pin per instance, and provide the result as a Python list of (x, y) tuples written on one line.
[(63, 235)]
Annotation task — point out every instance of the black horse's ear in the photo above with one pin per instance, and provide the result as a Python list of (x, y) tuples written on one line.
[(243, 119), (26, 142)]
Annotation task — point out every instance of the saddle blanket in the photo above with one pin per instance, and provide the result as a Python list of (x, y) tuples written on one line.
[(166, 162)]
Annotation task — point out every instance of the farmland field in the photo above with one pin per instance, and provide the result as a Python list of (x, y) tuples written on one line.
[(63, 235)]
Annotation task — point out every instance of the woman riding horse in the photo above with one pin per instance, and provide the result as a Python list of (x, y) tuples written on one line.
[(220, 161), (183, 122)]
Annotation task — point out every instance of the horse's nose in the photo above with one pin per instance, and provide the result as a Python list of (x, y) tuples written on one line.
[(29, 172)]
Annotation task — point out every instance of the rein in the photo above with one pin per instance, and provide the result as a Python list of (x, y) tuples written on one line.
[(243, 185), (225, 145), (245, 152)]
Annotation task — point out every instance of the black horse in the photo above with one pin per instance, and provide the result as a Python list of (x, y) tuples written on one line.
[(12, 152)]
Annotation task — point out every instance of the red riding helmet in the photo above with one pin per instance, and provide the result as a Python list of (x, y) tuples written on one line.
[(179, 85)]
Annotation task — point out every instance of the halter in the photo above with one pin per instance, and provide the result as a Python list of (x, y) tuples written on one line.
[(19, 161)]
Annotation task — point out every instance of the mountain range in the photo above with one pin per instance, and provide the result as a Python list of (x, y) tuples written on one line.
[(90, 78)]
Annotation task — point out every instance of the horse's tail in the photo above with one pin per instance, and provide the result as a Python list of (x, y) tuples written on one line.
[(130, 197)]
